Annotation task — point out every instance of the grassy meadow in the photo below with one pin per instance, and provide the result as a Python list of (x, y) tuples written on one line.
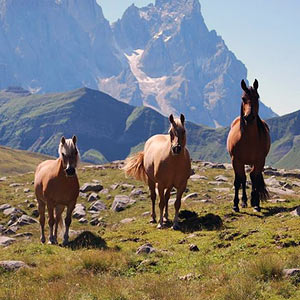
[(240, 259)]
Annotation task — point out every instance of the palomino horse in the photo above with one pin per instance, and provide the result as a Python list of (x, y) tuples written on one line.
[(165, 162), (248, 143), (56, 185)]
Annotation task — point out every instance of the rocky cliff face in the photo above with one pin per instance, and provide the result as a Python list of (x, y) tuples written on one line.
[(161, 56)]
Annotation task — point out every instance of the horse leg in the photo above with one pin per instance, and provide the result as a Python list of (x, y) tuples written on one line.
[(161, 192), (51, 221), (41, 208), (151, 185), (68, 221), (244, 196), (58, 212), (167, 197), (239, 171), (259, 190), (177, 205)]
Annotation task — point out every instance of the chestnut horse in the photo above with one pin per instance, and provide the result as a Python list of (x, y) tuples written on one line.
[(165, 163), (56, 185), (248, 143)]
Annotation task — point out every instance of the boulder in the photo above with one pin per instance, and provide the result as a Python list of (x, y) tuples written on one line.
[(121, 202), (6, 241), (12, 265), (4, 207), (145, 249), (91, 187), (97, 206), (79, 211), (92, 197), (25, 220)]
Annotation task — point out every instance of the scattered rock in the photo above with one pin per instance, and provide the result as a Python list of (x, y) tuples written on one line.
[(4, 207), (11, 230), (31, 205), (6, 241), (136, 192), (145, 249), (222, 190), (26, 190), (91, 187), (23, 234), (296, 212), (291, 272), (25, 220), (104, 192), (126, 186), (277, 200), (97, 206), (94, 221), (15, 184), (79, 211), (121, 202), (146, 214), (2, 228), (190, 196), (12, 211), (281, 191), (3, 179), (189, 277), (127, 220), (83, 195), (114, 186), (83, 221), (12, 265), (194, 248), (93, 197), (197, 177), (221, 178), (273, 182)]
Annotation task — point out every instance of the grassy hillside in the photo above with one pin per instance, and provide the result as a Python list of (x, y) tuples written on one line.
[(17, 161), (242, 258), (108, 130)]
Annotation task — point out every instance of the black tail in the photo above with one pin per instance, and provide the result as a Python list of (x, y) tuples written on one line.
[(261, 188)]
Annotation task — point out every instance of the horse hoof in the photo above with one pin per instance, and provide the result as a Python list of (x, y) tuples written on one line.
[(159, 226), (244, 205), (65, 243), (43, 240), (256, 209), (176, 227), (236, 209), (152, 221)]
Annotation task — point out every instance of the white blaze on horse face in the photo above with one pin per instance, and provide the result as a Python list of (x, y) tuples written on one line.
[(69, 154), (177, 136)]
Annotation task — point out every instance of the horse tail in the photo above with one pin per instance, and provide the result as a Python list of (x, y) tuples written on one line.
[(261, 188), (61, 223), (134, 166)]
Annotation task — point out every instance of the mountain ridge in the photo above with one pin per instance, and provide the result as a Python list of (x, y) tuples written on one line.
[(108, 129)]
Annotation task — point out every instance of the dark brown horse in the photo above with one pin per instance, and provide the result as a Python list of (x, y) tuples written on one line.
[(56, 186), (248, 143)]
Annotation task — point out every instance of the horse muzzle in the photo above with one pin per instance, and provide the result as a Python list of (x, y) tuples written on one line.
[(176, 149), (70, 171)]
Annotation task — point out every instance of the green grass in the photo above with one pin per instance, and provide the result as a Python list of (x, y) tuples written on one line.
[(243, 259)]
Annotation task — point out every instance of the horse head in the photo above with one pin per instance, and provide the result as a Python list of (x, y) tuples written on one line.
[(177, 134), (250, 103), (69, 154)]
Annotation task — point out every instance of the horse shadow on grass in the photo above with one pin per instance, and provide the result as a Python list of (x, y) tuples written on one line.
[(274, 210), (87, 240), (190, 221)]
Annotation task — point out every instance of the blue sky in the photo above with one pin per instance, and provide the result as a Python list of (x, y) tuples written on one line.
[(263, 34)]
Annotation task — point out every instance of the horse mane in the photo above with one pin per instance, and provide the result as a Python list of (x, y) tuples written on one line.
[(242, 121), (263, 127)]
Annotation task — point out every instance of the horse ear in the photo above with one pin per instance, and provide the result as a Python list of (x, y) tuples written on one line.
[(74, 139), (255, 84), (171, 119), (244, 86), (62, 140), (182, 118)]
